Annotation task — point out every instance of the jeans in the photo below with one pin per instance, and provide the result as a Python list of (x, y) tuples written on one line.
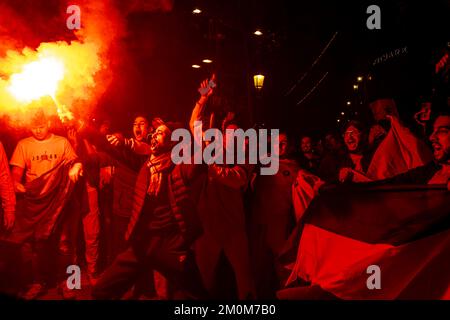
[(91, 232), (163, 251)]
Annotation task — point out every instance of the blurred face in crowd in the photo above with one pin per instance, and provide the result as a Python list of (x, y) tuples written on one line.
[(40, 129), (331, 142), (440, 139), (284, 145), (233, 127), (140, 128), (352, 138), (306, 145), (160, 142), (105, 128)]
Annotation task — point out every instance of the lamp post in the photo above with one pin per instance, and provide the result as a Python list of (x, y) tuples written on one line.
[(258, 81)]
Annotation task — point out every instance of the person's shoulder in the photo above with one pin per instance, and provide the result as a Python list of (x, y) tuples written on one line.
[(26, 141), (59, 139)]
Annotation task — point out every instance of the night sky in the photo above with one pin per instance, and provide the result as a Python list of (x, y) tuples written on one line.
[(155, 76)]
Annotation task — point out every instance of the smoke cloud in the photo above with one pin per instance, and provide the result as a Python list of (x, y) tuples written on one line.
[(36, 30)]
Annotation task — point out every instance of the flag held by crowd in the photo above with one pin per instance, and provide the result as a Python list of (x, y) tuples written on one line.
[(403, 230), (40, 209)]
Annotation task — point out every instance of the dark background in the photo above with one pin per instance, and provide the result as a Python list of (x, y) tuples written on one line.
[(155, 76), (163, 47)]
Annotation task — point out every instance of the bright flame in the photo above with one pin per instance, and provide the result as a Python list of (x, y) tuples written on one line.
[(75, 74), (64, 113), (38, 79), (63, 71)]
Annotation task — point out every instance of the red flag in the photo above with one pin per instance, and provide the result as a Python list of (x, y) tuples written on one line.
[(403, 230)]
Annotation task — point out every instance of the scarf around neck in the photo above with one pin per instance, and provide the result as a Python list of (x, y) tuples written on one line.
[(158, 166)]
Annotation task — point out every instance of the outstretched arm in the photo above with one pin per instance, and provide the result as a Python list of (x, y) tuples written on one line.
[(197, 113)]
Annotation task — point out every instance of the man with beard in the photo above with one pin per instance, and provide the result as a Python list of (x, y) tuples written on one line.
[(437, 171), (140, 150), (354, 164), (162, 227), (309, 159)]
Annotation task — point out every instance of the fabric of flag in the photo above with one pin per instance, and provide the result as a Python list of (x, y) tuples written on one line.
[(40, 209), (304, 189), (403, 230), (399, 152)]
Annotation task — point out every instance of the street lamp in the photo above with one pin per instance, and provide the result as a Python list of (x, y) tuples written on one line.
[(195, 66), (258, 81), (360, 79), (207, 61), (196, 11), (355, 87), (258, 33)]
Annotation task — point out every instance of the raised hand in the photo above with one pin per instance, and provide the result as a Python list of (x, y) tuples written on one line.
[(115, 139), (72, 136), (206, 88)]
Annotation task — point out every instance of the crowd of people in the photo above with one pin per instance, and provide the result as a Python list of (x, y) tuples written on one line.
[(143, 227)]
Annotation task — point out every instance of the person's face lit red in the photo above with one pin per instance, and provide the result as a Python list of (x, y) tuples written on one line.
[(284, 145), (229, 127), (331, 143), (140, 128), (105, 128), (40, 131), (440, 139), (160, 140), (352, 138), (306, 145)]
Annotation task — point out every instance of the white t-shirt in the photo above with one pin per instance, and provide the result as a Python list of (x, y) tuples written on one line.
[(38, 157)]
